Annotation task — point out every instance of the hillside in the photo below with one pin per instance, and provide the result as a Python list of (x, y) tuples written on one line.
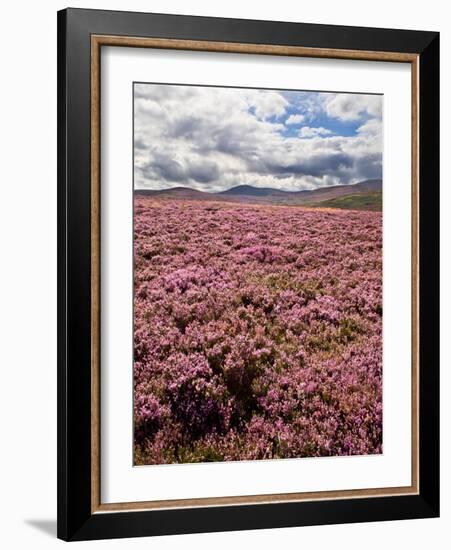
[(360, 201), (365, 195), (249, 190)]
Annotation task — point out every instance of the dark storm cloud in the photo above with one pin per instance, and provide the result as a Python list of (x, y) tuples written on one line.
[(139, 144), (167, 169), (161, 166), (317, 166), (370, 167)]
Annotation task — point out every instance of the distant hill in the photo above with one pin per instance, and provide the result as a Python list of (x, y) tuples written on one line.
[(365, 195), (370, 185), (174, 192), (358, 201), (250, 191)]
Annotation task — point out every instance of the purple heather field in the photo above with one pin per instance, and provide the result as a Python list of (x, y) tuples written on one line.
[(257, 332)]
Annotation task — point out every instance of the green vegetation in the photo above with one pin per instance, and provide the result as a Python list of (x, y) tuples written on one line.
[(360, 201)]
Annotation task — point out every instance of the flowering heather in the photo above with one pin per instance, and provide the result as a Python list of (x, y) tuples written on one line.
[(257, 332)]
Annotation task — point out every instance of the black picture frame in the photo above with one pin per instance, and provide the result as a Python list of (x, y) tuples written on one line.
[(76, 521)]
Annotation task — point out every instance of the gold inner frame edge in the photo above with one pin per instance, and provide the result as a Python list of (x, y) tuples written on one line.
[(97, 41)]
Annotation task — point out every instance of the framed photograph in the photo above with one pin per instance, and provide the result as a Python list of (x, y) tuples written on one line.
[(248, 274)]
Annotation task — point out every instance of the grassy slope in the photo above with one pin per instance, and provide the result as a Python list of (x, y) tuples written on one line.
[(360, 201)]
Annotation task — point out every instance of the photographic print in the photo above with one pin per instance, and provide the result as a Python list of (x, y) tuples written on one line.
[(257, 274)]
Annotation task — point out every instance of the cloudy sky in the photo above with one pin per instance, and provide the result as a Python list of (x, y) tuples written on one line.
[(212, 139)]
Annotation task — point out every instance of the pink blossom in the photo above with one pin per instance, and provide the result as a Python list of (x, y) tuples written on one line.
[(258, 332)]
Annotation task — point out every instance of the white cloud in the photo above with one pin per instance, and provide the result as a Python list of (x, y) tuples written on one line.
[(349, 107), (371, 127), (267, 103), (309, 132), (295, 119)]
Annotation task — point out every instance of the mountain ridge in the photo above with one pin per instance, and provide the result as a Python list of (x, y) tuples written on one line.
[(245, 189), (250, 190), (367, 189)]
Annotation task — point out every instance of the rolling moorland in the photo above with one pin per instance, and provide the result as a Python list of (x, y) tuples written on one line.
[(258, 328), (366, 195)]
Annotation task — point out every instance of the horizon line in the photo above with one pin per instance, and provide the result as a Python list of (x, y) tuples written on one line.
[(256, 187)]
